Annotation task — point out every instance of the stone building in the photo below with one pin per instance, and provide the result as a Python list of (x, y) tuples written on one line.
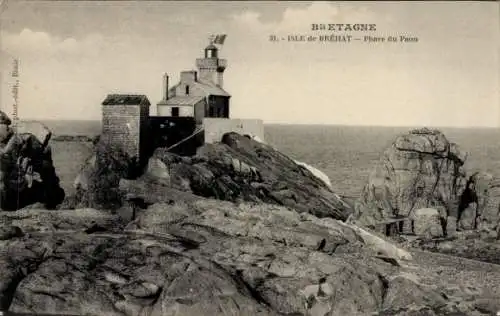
[(125, 121), (192, 112), (198, 94)]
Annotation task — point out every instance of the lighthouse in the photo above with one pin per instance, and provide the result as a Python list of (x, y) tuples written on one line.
[(211, 67), (199, 93), (200, 101)]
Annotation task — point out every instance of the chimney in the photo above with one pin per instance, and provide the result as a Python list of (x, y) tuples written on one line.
[(165, 86), (189, 76)]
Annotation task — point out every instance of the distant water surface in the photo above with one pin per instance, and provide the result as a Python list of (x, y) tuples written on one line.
[(345, 153)]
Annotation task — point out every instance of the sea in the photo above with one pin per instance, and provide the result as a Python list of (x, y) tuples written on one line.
[(346, 154)]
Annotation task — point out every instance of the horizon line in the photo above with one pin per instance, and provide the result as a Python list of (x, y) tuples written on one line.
[(298, 123)]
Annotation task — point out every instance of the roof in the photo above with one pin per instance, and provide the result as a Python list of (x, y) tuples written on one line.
[(182, 100), (208, 87), (211, 46), (211, 88), (126, 99)]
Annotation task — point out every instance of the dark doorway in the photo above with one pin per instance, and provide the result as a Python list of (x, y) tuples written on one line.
[(175, 111), (226, 110)]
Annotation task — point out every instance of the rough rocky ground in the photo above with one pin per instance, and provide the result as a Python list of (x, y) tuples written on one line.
[(483, 246), (186, 238), (200, 256)]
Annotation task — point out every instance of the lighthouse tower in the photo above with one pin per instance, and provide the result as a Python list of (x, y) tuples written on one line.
[(211, 68)]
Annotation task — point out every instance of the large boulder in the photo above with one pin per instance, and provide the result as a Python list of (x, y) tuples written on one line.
[(27, 173), (483, 210), (428, 222), (423, 169)]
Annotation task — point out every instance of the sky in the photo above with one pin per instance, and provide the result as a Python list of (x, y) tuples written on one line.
[(72, 54)]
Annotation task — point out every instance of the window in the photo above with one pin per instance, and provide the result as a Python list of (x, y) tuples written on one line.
[(187, 89), (175, 111)]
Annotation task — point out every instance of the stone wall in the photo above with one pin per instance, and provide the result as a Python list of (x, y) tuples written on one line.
[(122, 124)]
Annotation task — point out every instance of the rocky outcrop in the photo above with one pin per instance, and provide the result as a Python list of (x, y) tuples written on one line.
[(27, 173), (97, 183), (421, 170), (237, 169), (198, 256), (316, 172), (483, 211)]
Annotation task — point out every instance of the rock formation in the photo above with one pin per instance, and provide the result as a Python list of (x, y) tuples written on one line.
[(316, 172), (237, 169), (97, 183), (422, 169), (27, 172)]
